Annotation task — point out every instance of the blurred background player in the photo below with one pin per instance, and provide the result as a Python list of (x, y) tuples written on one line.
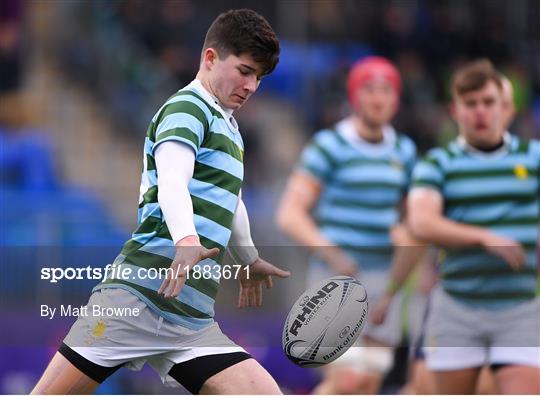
[(189, 209), (343, 201), (421, 379), (479, 198)]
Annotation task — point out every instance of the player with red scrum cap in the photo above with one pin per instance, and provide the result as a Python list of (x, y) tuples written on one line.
[(343, 201)]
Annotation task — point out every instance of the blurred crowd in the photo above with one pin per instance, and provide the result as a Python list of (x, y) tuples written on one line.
[(320, 40)]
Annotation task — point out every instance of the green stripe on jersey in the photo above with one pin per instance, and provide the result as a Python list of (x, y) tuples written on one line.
[(218, 141), (186, 108), (208, 202), (185, 133), (170, 305), (481, 174), (150, 196), (216, 177)]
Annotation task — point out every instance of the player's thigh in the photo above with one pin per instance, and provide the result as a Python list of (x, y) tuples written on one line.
[(422, 380), (456, 382), (486, 384), (518, 380), (61, 378), (245, 377)]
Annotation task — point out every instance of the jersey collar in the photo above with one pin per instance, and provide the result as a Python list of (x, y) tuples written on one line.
[(466, 147)]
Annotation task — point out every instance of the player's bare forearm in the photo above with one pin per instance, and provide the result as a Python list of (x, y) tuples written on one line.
[(438, 230), (427, 222), (300, 227)]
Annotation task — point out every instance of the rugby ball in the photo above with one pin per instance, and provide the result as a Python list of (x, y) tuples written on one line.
[(325, 321)]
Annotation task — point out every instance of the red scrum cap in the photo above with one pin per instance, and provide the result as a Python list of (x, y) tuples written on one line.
[(368, 69)]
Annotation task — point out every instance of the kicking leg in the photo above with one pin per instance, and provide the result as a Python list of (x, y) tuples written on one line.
[(62, 378), (243, 378)]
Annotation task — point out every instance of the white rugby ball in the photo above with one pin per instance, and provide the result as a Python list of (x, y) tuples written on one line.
[(325, 321)]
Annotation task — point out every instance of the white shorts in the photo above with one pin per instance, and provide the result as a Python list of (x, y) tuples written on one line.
[(459, 337), (110, 341)]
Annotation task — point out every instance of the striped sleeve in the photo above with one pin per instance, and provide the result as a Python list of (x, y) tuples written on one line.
[(535, 148), (182, 121), (316, 158), (408, 149), (428, 173)]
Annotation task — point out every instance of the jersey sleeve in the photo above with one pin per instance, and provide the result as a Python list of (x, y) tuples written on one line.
[(182, 121), (316, 158), (428, 172), (535, 148), (409, 157)]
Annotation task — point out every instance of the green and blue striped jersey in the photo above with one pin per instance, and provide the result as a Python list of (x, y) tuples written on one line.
[(500, 192), (363, 186), (192, 117)]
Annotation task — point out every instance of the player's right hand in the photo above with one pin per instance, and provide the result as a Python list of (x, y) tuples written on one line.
[(378, 314), (188, 253), (506, 248), (339, 261)]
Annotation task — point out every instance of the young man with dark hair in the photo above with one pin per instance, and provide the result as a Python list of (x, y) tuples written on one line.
[(479, 198), (190, 210)]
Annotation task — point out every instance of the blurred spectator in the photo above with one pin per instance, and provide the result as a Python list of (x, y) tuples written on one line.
[(26, 156), (11, 17)]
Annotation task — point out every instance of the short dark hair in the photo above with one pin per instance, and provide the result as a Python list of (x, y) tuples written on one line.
[(244, 31), (474, 76)]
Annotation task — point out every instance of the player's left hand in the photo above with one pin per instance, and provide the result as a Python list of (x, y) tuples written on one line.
[(251, 282)]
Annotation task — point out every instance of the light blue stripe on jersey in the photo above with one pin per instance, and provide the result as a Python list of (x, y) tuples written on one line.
[(196, 101), (220, 160), (181, 120), (383, 218), (478, 260), (480, 212), (527, 233), (187, 321), (315, 160), (381, 196), (148, 145), (188, 295), (161, 246), (212, 230), (464, 164), (221, 127), (372, 173), (150, 209), (466, 188), (143, 238), (495, 284), (213, 193), (151, 177), (344, 236)]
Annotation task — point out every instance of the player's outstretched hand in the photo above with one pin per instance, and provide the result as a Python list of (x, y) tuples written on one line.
[(188, 253), (251, 282), (509, 250), (339, 261)]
